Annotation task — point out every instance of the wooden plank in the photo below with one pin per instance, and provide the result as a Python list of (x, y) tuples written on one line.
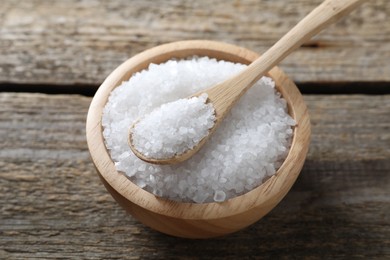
[(53, 206), (69, 42)]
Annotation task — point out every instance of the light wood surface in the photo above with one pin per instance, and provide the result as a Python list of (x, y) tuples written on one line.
[(53, 204), (193, 220), (224, 95), (81, 42)]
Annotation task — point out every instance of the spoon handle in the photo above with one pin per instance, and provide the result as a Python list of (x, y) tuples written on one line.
[(225, 94)]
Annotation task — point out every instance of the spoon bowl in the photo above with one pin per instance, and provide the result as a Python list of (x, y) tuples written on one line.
[(192, 220)]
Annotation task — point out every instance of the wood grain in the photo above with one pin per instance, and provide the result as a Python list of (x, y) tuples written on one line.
[(53, 206), (81, 42)]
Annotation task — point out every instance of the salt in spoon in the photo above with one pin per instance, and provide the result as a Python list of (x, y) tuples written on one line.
[(224, 95)]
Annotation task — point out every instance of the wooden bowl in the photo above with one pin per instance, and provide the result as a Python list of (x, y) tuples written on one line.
[(193, 220)]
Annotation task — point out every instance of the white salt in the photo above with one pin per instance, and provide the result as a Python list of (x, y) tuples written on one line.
[(219, 196), (249, 145), (173, 128)]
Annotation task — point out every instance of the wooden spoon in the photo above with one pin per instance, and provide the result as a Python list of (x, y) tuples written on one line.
[(224, 95)]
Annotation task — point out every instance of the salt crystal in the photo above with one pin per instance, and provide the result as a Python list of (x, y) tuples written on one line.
[(142, 167), (247, 147), (219, 196), (222, 180)]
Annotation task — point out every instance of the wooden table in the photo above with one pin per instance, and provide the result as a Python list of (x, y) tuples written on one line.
[(52, 202)]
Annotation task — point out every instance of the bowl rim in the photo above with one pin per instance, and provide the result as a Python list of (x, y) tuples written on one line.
[(271, 191)]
